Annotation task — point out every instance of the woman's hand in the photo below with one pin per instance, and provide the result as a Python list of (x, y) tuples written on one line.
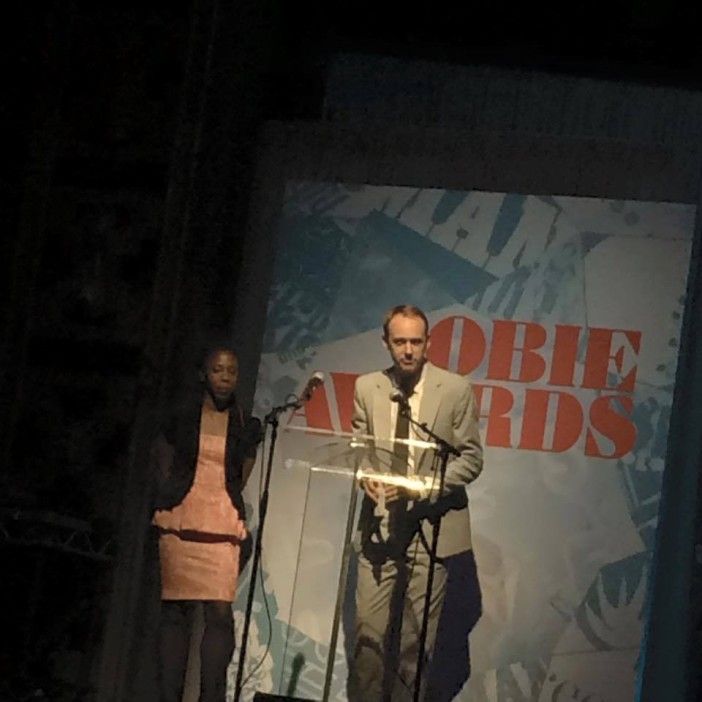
[(240, 530)]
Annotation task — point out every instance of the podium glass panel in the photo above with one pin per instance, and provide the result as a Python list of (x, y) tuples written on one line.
[(330, 464)]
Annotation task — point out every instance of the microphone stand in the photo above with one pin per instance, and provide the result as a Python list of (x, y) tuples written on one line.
[(445, 450), (271, 418)]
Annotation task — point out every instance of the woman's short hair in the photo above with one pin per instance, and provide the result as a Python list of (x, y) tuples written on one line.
[(213, 346)]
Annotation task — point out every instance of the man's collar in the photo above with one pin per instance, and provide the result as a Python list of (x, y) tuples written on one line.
[(422, 378)]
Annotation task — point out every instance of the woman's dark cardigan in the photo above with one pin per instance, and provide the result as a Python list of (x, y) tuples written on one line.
[(176, 447)]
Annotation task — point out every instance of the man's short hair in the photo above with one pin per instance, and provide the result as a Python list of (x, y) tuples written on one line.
[(405, 311)]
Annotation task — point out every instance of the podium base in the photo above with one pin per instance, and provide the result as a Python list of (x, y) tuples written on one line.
[(266, 697)]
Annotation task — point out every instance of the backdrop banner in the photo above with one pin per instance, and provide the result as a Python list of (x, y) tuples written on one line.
[(565, 313)]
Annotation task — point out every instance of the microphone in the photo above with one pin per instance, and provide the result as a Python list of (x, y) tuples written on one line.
[(312, 384), (396, 395)]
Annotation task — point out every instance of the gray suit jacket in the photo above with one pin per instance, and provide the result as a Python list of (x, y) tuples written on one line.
[(448, 407)]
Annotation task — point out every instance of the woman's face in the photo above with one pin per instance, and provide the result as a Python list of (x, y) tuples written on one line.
[(222, 373)]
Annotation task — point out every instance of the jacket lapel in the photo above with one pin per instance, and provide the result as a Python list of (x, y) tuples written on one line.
[(431, 397), (428, 410), (381, 408)]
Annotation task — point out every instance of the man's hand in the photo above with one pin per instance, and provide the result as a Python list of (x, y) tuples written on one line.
[(375, 489)]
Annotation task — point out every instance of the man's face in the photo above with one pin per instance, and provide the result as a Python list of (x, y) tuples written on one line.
[(408, 344), (222, 373)]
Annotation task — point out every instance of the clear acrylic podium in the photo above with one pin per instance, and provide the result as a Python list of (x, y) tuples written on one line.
[(331, 464)]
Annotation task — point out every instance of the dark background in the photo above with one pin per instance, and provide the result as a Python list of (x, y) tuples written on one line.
[(129, 134)]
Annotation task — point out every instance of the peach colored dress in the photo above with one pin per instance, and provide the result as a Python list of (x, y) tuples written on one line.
[(199, 538)]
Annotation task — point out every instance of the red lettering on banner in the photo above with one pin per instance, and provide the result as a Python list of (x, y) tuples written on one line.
[(598, 357), (499, 425), (316, 410), (565, 355), (343, 389), (503, 347), (516, 356), (620, 430), (471, 349), (568, 422)]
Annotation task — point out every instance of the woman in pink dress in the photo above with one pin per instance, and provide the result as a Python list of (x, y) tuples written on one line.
[(202, 456)]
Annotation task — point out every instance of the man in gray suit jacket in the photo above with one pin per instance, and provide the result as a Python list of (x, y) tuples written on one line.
[(396, 524)]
